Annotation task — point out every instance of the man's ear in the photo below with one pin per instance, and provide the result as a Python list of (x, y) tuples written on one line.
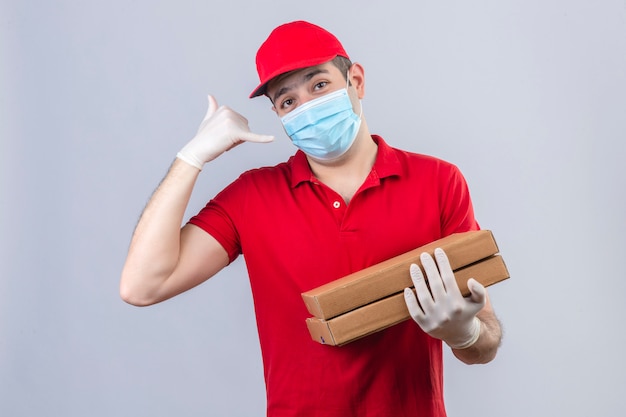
[(357, 79)]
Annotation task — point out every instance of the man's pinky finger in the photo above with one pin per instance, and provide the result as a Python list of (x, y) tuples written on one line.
[(412, 304)]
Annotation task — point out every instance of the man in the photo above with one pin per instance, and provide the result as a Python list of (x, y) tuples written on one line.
[(346, 200)]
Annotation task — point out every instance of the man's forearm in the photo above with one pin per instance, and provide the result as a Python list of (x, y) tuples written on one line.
[(155, 245)]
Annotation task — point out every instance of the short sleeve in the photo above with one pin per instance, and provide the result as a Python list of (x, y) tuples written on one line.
[(457, 214), (218, 217)]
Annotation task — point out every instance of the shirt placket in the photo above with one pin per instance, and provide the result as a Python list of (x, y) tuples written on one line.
[(334, 202)]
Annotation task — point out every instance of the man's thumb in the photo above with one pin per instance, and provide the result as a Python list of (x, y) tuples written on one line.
[(478, 292), (212, 107)]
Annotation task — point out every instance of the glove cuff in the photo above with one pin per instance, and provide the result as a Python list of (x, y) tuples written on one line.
[(189, 160), (476, 325)]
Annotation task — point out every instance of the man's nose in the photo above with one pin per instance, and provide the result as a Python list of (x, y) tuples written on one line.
[(304, 97)]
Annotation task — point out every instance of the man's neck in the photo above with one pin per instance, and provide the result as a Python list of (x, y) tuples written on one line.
[(346, 175)]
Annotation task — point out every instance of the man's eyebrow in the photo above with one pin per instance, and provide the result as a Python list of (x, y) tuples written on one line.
[(280, 92), (313, 73), (306, 77)]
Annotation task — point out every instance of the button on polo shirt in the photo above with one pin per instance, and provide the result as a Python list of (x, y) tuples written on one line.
[(296, 233)]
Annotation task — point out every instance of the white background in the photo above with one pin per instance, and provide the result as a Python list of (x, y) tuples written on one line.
[(528, 98)]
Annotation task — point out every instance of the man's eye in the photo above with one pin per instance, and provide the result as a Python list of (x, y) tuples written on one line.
[(286, 103), (321, 84)]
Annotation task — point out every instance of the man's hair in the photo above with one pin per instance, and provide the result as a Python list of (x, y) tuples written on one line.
[(343, 64)]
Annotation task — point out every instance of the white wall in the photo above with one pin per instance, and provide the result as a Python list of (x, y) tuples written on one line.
[(528, 98)]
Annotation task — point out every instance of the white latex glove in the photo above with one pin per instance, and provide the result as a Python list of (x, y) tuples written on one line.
[(442, 311), (221, 129)]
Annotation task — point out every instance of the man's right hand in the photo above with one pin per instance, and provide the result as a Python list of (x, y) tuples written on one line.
[(221, 129)]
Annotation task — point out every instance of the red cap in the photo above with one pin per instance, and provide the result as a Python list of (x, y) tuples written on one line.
[(293, 46)]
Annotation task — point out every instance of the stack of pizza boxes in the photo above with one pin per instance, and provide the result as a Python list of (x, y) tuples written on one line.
[(372, 299)]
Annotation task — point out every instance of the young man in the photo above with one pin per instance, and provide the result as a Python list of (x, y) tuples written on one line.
[(346, 200)]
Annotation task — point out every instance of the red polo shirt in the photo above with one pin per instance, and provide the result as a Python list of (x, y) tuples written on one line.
[(295, 234)]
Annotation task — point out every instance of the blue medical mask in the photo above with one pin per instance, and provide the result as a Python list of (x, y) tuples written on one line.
[(325, 127)]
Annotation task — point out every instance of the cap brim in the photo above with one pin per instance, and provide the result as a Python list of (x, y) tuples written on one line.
[(261, 88)]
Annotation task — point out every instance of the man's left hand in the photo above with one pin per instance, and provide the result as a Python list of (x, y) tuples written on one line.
[(439, 308)]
